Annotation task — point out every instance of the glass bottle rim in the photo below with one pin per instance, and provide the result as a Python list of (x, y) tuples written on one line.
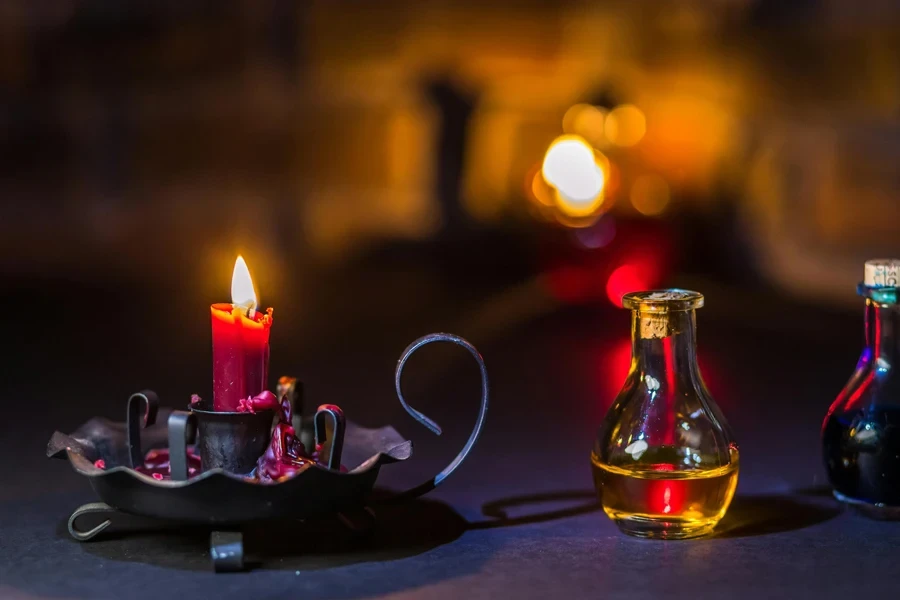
[(879, 294), (665, 300)]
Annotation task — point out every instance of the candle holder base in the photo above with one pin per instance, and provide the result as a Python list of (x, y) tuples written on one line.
[(226, 547)]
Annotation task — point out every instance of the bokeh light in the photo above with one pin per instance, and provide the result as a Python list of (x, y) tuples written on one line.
[(573, 169), (650, 195), (625, 125), (627, 278), (541, 191), (571, 117), (586, 121), (575, 222), (569, 166)]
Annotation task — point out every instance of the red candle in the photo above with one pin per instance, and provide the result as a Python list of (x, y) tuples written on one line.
[(240, 338)]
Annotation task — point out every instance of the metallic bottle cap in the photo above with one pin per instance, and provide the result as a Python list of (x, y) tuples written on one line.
[(882, 272)]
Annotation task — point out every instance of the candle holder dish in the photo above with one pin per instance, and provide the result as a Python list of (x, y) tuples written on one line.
[(109, 453)]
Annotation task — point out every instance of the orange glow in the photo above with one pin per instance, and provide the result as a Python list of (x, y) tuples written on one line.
[(571, 117), (689, 139), (587, 121), (242, 293), (627, 278), (576, 222), (613, 180), (576, 173), (540, 189), (625, 125), (650, 195)]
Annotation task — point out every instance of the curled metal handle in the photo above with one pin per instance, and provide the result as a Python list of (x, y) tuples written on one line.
[(182, 430), (141, 413), (89, 509), (435, 481)]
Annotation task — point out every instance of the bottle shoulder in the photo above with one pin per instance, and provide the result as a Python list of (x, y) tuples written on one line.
[(874, 381), (676, 419)]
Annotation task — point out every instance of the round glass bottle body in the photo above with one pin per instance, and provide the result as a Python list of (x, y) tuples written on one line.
[(665, 462), (861, 432)]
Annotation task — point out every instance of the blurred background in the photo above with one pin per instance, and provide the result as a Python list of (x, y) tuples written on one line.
[(391, 168)]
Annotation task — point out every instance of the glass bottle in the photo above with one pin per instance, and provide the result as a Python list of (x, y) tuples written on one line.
[(665, 462), (861, 432)]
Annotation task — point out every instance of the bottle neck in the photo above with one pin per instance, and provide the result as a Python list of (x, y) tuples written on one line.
[(664, 346), (883, 330)]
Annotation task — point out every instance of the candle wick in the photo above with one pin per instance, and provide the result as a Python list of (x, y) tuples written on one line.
[(248, 310)]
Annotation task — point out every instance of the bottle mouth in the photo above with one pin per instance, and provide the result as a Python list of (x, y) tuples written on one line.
[(879, 294), (662, 301)]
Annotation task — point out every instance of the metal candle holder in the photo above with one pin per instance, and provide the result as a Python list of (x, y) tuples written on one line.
[(222, 497), (232, 441)]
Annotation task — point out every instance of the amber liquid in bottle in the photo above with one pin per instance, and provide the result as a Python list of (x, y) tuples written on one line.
[(682, 503)]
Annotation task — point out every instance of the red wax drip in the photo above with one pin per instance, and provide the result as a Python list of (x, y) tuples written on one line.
[(240, 349), (285, 456)]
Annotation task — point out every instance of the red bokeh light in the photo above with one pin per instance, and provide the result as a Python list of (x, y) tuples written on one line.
[(627, 278), (607, 264), (611, 364)]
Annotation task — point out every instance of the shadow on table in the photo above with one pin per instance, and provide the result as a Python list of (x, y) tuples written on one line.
[(497, 509), (415, 527), (398, 531), (775, 513), (747, 516)]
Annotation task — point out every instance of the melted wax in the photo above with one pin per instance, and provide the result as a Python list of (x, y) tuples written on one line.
[(285, 456), (156, 464)]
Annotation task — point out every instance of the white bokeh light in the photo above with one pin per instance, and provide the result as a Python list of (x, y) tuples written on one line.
[(571, 168)]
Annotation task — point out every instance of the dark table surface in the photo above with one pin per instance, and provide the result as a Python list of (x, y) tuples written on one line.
[(519, 519)]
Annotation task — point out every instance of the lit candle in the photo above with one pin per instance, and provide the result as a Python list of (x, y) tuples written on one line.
[(240, 338)]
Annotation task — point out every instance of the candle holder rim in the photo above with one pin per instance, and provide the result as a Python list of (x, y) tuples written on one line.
[(193, 408), (83, 465), (89, 470), (311, 492)]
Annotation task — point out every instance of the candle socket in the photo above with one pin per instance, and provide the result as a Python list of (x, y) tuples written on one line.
[(232, 441)]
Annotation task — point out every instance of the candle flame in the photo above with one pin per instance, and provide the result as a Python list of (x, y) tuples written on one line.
[(242, 293)]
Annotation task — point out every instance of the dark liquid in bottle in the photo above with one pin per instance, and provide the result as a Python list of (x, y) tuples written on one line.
[(862, 454)]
